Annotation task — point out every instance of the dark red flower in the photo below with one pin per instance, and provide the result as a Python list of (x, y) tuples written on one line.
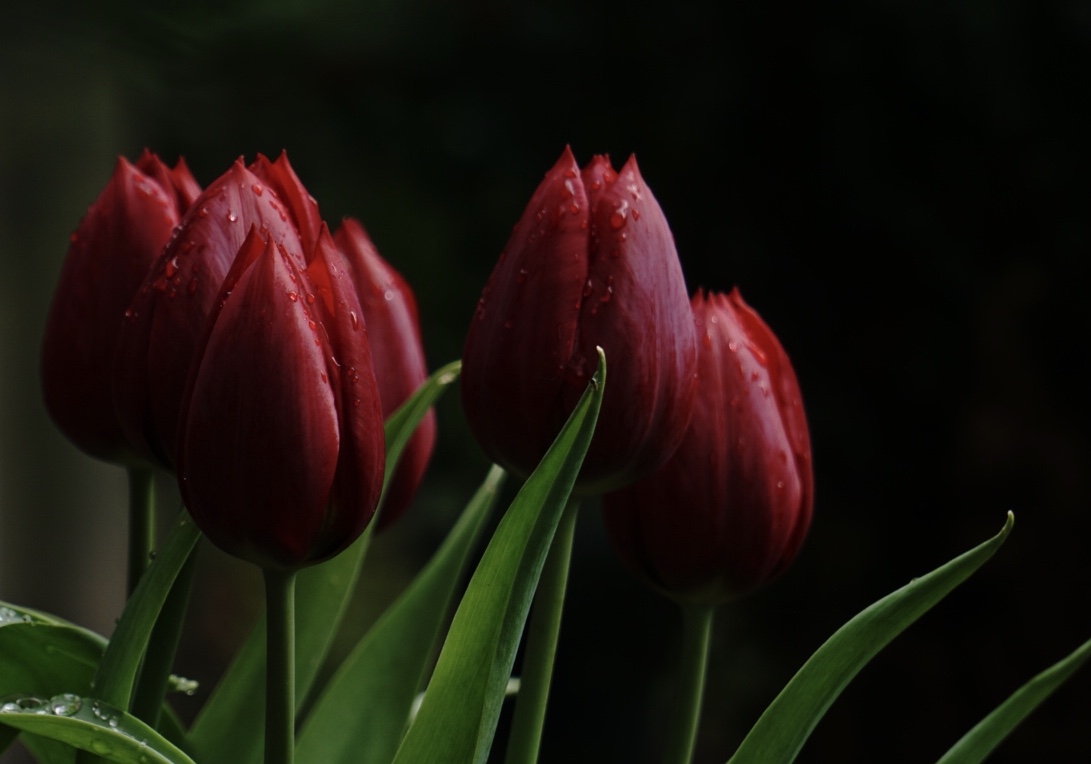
[(591, 263), (731, 508), (281, 450), (110, 253), (165, 320), (390, 311)]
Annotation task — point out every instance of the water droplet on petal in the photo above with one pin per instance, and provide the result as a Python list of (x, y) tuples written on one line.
[(232, 216), (293, 296)]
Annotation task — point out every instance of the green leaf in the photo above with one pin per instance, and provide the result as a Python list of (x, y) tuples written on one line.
[(91, 725), (117, 673), (979, 742), (786, 724), (458, 717), (41, 655), (229, 727), (362, 713)]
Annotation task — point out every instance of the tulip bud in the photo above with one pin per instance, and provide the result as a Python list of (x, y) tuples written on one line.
[(166, 318), (730, 510), (110, 253), (591, 263), (281, 450), (390, 312)]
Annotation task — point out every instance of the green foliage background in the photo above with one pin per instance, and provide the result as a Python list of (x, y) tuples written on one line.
[(900, 189)]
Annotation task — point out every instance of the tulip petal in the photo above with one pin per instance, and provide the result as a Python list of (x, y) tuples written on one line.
[(261, 436), (167, 316), (393, 326), (115, 244), (517, 354)]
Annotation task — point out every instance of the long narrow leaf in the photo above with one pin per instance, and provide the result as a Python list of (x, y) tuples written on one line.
[(786, 724), (458, 717), (117, 673), (362, 713), (980, 741), (228, 729), (91, 725)]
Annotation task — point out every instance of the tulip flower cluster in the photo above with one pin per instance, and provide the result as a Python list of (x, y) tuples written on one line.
[(231, 339), (277, 368)]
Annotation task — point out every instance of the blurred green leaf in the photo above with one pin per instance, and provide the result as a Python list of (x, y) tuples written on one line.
[(91, 725), (786, 724), (363, 712), (979, 742), (459, 713), (229, 727)]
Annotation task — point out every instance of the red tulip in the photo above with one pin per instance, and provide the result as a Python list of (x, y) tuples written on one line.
[(390, 311), (110, 253), (281, 451), (165, 320), (730, 510), (591, 262)]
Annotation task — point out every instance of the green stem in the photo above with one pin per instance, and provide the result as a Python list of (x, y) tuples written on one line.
[(141, 522), (545, 627), (151, 687), (696, 640), (280, 667)]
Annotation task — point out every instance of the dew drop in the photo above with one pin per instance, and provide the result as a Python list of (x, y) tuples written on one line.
[(171, 267), (587, 288), (293, 296), (232, 216), (203, 212), (388, 295), (521, 277), (65, 704), (617, 220), (733, 346), (636, 214), (257, 189), (355, 320), (310, 298)]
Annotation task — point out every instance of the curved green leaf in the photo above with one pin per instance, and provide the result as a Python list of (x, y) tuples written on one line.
[(363, 712), (229, 727), (91, 725), (786, 724), (458, 716), (42, 655), (118, 670), (980, 741)]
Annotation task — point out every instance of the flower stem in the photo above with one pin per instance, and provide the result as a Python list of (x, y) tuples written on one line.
[(544, 630), (280, 667), (141, 522), (696, 640)]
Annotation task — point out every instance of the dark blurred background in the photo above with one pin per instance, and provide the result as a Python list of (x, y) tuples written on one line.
[(899, 188)]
